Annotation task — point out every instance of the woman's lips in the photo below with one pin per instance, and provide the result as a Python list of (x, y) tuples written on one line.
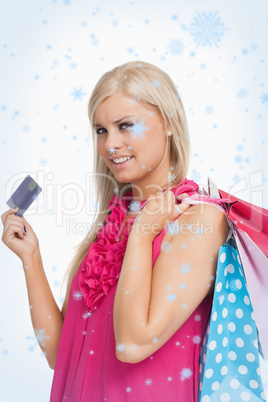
[(123, 164)]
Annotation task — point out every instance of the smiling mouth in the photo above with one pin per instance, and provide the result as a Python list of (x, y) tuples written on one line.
[(120, 165)]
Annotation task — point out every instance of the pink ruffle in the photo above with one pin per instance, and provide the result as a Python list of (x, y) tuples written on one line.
[(101, 267)]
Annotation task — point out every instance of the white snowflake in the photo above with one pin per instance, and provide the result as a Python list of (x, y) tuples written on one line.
[(207, 29), (120, 347), (148, 381), (87, 314), (156, 84), (134, 206), (196, 339), (186, 373), (39, 337), (169, 378), (128, 389), (77, 295)]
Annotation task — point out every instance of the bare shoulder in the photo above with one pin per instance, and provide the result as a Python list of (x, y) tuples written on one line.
[(205, 219)]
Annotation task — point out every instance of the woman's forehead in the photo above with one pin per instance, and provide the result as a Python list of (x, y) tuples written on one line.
[(116, 106)]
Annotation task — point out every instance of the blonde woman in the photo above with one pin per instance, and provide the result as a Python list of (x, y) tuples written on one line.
[(140, 286)]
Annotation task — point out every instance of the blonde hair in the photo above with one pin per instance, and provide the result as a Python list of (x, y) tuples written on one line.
[(152, 86)]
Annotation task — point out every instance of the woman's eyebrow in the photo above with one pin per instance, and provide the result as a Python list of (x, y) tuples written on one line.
[(116, 121)]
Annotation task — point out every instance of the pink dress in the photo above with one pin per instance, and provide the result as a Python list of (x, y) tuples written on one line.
[(87, 369)]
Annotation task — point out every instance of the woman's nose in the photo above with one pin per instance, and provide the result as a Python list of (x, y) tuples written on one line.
[(113, 139)]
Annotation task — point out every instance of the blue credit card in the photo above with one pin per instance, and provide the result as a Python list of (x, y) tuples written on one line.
[(25, 194)]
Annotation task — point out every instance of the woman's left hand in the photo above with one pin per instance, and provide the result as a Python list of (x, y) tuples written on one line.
[(157, 213)]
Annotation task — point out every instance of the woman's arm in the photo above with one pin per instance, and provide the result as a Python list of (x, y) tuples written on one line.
[(46, 317), (152, 304)]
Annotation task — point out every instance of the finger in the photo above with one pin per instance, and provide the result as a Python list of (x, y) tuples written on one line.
[(183, 195), (12, 230), (14, 219), (7, 213)]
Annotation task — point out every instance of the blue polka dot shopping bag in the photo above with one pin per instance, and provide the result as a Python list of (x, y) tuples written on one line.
[(229, 360)]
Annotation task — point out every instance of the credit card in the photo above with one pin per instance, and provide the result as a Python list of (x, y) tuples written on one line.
[(25, 194)]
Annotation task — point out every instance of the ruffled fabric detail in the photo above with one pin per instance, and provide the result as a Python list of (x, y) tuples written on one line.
[(101, 267)]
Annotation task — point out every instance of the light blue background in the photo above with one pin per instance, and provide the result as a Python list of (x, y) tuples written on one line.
[(52, 53)]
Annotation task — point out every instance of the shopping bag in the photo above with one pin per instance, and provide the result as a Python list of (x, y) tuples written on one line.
[(252, 243), (229, 360), (248, 217), (255, 267), (250, 230)]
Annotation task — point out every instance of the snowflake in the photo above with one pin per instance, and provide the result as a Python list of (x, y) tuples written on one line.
[(264, 98), (185, 268), (39, 337), (138, 129), (185, 373), (130, 50), (43, 162), (206, 28), (176, 47), (243, 93), (155, 84), (111, 150), (240, 147), (77, 295), (87, 314), (73, 65), (94, 40), (148, 381), (169, 378), (172, 177), (134, 206), (77, 94), (120, 347), (174, 17), (196, 339), (128, 389), (238, 159)]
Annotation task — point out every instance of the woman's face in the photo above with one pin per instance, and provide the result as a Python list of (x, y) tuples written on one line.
[(124, 126)]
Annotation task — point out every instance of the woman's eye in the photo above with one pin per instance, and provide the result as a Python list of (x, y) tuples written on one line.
[(99, 131), (123, 126), (126, 125)]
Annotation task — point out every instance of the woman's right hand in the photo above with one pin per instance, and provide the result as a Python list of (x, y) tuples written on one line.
[(23, 246)]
